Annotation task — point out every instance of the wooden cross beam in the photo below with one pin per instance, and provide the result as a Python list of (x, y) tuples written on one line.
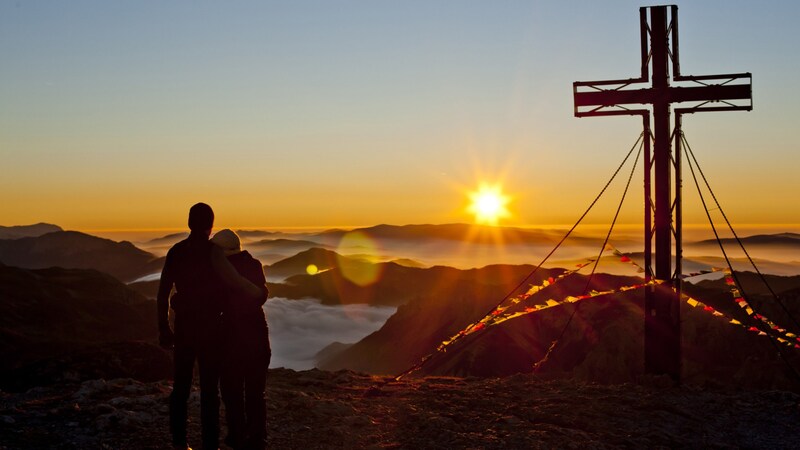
[(727, 92)]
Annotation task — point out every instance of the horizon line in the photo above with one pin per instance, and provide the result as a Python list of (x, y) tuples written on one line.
[(353, 227)]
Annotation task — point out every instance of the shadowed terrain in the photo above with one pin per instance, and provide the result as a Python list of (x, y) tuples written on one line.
[(79, 368), (327, 410), (68, 324)]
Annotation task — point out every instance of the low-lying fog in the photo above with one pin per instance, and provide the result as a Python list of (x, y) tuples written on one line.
[(299, 329)]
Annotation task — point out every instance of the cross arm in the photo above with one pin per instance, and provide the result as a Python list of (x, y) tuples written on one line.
[(593, 98), (605, 98), (731, 92)]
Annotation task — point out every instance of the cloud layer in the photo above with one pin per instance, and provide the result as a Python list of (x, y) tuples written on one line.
[(298, 329)]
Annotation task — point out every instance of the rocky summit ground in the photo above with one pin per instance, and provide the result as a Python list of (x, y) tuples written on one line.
[(317, 409)]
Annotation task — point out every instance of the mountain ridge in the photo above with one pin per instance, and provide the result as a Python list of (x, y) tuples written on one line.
[(73, 249), (21, 231)]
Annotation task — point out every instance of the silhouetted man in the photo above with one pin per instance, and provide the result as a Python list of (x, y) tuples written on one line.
[(201, 275)]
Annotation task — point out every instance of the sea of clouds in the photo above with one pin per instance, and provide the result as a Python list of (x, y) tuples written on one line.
[(299, 329)]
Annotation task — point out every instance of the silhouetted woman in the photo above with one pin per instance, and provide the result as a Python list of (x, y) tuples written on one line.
[(244, 371)]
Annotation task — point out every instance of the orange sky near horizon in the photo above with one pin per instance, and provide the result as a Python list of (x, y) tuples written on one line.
[(320, 115)]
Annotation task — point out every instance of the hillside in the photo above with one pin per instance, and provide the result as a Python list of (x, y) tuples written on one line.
[(419, 326), (297, 264), (53, 313), (604, 342)]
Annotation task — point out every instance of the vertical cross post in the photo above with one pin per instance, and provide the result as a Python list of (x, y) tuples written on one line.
[(663, 214)]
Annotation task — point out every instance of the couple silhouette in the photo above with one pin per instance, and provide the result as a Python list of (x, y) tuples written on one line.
[(219, 291)]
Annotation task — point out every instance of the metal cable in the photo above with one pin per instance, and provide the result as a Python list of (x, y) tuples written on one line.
[(727, 261), (426, 358), (739, 241), (552, 347)]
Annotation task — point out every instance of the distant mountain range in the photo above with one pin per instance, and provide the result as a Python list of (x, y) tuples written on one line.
[(780, 239), (21, 231), (691, 264), (416, 232), (168, 239), (269, 251), (72, 249), (457, 232)]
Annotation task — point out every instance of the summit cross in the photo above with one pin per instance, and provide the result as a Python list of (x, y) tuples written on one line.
[(726, 92)]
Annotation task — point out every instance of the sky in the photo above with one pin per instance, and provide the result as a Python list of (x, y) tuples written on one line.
[(316, 114)]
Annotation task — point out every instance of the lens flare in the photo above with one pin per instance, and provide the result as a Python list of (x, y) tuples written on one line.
[(358, 271), (488, 204)]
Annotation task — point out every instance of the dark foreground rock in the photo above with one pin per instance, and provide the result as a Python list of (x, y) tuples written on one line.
[(317, 409)]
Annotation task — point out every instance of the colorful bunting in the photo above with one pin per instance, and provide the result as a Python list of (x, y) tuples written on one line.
[(753, 329), (500, 314), (742, 302)]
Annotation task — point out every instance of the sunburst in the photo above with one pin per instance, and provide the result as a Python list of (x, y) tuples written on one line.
[(488, 204)]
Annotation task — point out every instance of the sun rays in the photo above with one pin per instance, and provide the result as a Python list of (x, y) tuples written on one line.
[(488, 204)]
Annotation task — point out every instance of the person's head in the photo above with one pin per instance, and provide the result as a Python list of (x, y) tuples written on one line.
[(228, 240), (201, 218)]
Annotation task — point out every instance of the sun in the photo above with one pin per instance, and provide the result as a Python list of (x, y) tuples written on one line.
[(488, 204)]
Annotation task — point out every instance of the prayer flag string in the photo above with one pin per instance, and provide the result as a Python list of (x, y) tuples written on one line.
[(500, 318), (502, 314), (786, 337), (790, 339)]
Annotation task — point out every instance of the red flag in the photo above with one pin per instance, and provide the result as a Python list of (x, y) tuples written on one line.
[(625, 259)]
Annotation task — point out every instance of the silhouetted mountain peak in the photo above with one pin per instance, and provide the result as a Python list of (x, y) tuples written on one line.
[(22, 231), (322, 258)]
